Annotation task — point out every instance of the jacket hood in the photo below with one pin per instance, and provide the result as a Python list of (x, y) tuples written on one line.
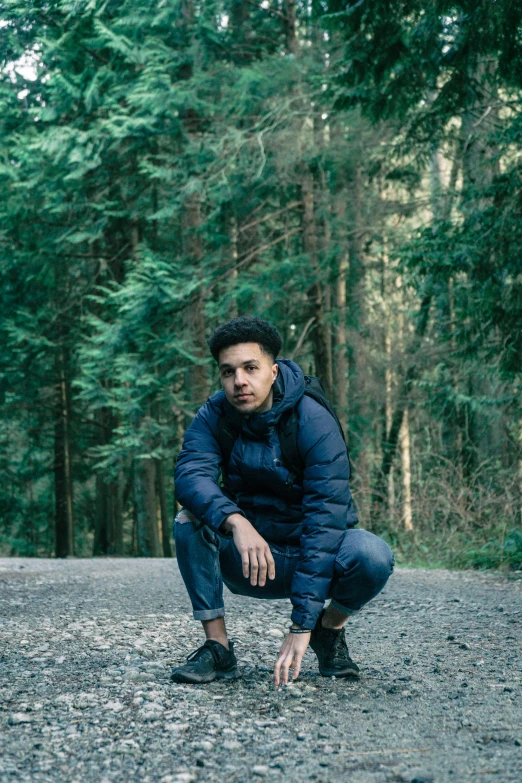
[(288, 389)]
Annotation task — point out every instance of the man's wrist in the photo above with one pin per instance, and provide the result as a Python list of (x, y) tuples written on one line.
[(233, 521)]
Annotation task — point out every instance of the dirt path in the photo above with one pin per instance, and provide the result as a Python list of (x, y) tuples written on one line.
[(86, 650)]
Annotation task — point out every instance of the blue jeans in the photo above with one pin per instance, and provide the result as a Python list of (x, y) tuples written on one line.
[(207, 558)]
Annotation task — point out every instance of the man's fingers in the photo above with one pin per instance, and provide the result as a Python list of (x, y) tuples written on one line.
[(271, 564), (286, 661), (245, 560), (279, 664), (282, 666), (254, 567), (277, 669), (297, 668), (263, 567), (266, 566), (256, 558), (285, 668)]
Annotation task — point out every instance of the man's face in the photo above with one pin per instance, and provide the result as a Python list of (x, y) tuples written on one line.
[(247, 375)]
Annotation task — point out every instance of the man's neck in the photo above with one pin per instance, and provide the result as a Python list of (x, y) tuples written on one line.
[(266, 405)]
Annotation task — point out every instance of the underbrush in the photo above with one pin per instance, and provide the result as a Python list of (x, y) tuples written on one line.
[(502, 549), (457, 523)]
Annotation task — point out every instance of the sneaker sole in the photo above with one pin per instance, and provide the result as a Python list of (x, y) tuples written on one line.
[(194, 680), (345, 673)]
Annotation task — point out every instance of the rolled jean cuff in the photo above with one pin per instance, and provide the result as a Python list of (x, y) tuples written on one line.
[(343, 609), (209, 614)]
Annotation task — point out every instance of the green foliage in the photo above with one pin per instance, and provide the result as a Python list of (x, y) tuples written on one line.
[(450, 74), (134, 346), (415, 60), (154, 164), (503, 551), (495, 548)]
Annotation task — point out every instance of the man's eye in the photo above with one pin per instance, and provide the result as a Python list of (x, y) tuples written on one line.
[(252, 367)]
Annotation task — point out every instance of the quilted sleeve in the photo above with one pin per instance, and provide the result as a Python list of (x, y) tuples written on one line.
[(326, 505), (197, 470)]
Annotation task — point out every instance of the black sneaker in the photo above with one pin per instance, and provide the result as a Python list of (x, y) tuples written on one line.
[(211, 661), (332, 653)]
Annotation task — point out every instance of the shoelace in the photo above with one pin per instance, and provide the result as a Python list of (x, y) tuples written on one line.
[(214, 651), (197, 653), (339, 649)]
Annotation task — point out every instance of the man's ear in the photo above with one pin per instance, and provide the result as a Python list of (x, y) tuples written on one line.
[(275, 371)]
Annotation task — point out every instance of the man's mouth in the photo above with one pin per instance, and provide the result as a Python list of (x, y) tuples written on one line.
[(242, 397)]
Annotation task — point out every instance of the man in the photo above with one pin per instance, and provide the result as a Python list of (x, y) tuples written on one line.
[(267, 532)]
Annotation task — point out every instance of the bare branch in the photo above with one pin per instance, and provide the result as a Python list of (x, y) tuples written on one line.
[(302, 338)]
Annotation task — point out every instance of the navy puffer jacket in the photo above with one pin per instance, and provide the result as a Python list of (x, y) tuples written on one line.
[(312, 514)]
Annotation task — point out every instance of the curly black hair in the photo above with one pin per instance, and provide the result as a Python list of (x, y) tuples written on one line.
[(246, 330)]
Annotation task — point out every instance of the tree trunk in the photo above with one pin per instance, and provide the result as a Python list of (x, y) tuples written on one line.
[(358, 408), (388, 371), (197, 381), (134, 524), (518, 466), (407, 516), (441, 204), (480, 164), (320, 333), (326, 241), (187, 13), (442, 210), (234, 255), (246, 47), (356, 314), (341, 314), (321, 341), (163, 510), (390, 447), (147, 534), (32, 508), (108, 530), (63, 484), (480, 160), (199, 387), (116, 497), (289, 11), (388, 410), (341, 359), (101, 524)]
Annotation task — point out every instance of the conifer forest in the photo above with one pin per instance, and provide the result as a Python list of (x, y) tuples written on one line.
[(349, 170)]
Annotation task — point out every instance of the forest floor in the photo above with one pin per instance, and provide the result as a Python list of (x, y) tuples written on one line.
[(87, 647)]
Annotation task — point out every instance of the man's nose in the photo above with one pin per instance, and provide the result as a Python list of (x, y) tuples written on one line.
[(239, 379)]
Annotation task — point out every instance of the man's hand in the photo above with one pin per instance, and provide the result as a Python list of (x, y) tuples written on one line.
[(290, 657), (255, 553)]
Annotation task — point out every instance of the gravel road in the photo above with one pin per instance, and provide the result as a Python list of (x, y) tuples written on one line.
[(87, 647)]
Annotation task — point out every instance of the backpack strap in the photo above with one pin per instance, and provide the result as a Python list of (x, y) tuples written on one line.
[(226, 436), (287, 430), (289, 423), (314, 389)]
